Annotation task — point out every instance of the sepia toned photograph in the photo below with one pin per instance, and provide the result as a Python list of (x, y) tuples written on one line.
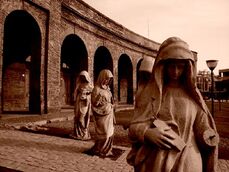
[(114, 86)]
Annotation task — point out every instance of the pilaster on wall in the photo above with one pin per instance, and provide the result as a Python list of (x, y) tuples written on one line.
[(54, 53), (90, 66), (1, 50), (134, 80), (115, 79)]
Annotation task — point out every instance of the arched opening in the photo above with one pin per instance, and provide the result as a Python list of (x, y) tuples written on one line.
[(102, 60), (74, 59), (21, 64), (125, 80)]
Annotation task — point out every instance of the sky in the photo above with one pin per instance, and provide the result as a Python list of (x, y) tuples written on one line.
[(203, 24)]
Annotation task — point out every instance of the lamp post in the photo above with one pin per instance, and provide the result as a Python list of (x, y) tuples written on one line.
[(211, 65)]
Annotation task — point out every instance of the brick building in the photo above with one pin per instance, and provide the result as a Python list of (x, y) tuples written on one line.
[(44, 44), (220, 84), (223, 83)]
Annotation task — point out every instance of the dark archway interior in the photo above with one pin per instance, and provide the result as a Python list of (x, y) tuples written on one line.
[(102, 60), (21, 63), (125, 80), (74, 59)]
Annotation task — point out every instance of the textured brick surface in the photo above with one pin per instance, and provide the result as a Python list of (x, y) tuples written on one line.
[(27, 151), (55, 21)]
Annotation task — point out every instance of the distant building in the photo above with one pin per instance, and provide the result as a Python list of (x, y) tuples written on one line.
[(220, 87), (223, 82), (204, 83)]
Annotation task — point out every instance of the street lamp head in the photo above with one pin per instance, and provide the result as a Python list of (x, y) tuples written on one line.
[(211, 64)]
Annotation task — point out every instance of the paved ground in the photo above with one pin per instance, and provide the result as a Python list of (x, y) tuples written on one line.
[(25, 151)]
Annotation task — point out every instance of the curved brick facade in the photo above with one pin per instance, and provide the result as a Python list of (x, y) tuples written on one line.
[(54, 21)]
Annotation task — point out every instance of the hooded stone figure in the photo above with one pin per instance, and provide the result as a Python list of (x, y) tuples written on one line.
[(103, 113), (172, 128), (82, 107), (145, 72)]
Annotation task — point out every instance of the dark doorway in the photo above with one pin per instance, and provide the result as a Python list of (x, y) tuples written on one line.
[(125, 80), (74, 59), (102, 60), (21, 64)]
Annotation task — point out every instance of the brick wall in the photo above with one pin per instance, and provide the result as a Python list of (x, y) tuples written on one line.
[(56, 20)]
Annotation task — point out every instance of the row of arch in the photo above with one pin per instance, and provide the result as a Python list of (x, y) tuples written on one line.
[(74, 59), (21, 72)]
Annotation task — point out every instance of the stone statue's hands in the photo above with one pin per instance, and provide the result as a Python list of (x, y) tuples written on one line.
[(160, 136), (211, 137)]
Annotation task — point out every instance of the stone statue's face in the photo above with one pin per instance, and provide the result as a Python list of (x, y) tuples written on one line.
[(83, 94), (83, 79), (175, 70), (107, 81)]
